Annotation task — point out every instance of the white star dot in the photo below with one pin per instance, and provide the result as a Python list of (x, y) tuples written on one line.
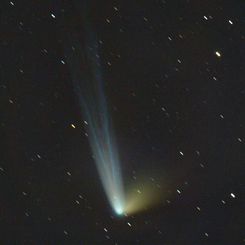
[(218, 54)]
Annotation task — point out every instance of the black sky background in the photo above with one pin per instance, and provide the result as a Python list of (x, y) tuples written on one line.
[(177, 108)]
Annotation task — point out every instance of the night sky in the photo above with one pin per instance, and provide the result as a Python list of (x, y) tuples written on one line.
[(173, 74)]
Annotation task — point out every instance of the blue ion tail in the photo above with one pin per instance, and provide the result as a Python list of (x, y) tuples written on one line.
[(89, 86)]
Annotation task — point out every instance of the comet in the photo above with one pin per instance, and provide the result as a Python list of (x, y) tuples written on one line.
[(83, 58)]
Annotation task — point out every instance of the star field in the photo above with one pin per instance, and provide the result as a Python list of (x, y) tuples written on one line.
[(174, 80)]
